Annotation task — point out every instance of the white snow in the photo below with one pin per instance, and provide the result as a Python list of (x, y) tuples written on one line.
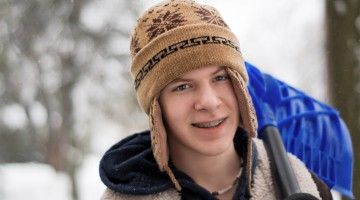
[(98, 15), (38, 114), (90, 185), (13, 116), (32, 181)]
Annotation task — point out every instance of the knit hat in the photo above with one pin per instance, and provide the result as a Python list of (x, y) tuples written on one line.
[(176, 37)]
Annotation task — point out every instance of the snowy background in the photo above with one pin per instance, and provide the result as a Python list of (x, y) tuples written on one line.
[(283, 38)]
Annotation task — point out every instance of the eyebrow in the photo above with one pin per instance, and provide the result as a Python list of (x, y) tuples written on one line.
[(186, 79), (219, 70)]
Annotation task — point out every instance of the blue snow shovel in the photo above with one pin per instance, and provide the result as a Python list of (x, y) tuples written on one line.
[(309, 129)]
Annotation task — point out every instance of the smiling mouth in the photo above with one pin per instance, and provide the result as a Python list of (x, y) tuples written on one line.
[(211, 124)]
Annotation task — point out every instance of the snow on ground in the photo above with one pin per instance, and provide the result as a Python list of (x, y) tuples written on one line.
[(32, 181), (90, 186)]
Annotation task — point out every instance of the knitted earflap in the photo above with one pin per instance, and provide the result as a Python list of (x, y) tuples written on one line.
[(159, 141), (247, 119)]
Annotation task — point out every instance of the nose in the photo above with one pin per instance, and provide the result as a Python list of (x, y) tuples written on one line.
[(207, 98)]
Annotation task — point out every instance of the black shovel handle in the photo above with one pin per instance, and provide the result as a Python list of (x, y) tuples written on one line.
[(287, 181)]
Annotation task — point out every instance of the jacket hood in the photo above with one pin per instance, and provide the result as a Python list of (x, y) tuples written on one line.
[(129, 167)]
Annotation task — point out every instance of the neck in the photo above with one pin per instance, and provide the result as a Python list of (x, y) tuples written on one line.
[(212, 172)]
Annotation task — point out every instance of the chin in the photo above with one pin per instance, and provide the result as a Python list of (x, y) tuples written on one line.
[(215, 148)]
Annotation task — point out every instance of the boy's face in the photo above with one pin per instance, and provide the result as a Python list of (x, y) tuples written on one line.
[(201, 112)]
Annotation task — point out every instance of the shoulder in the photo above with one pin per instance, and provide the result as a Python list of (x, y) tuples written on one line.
[(264, 181), (263, 186), (166, 195)]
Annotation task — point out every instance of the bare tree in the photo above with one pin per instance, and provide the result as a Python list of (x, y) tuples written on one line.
[(45, 52), (343, 45)]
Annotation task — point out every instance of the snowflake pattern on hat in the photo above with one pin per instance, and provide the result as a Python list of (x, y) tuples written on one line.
[(134, 45), (164, 22), (209, 16), (169, 15)]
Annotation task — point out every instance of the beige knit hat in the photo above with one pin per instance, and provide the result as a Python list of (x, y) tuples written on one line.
[(173, 38)]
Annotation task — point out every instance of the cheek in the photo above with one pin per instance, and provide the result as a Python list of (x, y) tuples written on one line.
[(175, 109), (229, 94)]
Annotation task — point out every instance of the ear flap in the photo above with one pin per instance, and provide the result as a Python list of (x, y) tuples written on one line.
[(248, 119), (159, 141), (158, 136)]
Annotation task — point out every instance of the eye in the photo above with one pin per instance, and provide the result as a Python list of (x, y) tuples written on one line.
[(222, 77), (182, 87)]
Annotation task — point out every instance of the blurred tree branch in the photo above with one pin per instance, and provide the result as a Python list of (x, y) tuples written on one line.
[(46, 53)]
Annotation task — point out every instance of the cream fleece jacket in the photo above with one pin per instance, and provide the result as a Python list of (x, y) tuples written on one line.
[(263, 186)]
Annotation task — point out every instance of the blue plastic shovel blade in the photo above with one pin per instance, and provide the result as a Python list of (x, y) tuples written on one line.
[(311, 130)]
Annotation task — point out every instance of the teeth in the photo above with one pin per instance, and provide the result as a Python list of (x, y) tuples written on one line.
[(209, 124)]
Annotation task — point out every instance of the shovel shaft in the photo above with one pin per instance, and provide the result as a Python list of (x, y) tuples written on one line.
[(285, 174)]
